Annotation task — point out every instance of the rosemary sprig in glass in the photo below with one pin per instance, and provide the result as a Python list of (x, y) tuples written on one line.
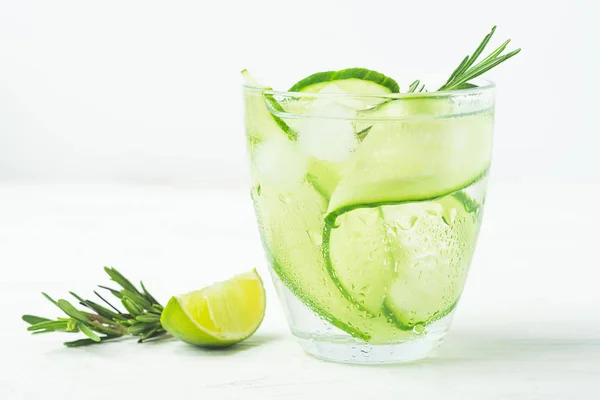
[(467, 69), (142, 318)]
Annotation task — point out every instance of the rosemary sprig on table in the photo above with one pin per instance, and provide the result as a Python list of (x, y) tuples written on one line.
[(468, 70), (142, 318)]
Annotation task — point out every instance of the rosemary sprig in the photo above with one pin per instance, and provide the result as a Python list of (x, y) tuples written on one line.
[(466, 70), (414, 86), (142, 318)]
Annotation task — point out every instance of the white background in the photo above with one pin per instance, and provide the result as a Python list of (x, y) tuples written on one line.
[(121, 143), (150, 91)]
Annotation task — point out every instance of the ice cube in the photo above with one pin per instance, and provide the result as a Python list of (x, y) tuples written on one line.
[(326, 131), (279, 162)]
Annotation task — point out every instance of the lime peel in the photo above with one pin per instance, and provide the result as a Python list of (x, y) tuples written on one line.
[(219, 315)]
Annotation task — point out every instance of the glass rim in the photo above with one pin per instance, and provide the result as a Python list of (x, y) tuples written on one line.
[(482, 86)]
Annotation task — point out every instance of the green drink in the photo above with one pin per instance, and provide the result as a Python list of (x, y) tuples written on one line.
[(369, 204)]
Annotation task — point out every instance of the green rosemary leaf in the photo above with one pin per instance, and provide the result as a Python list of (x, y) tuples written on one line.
[(87, 342), (72, 312), (141, 328), (105, 312), (478, 50), (413, 86), (50, 299), (50, 325), (131, 307), (479, 70), (117, 277), (468, 70), (459, 68), (112, 330), (148, 318), (80, 343), (32, 319), (157, 308), (148, 334), (114, 292), (147, 294), (139, 300), (88, 332), (495, 53), (43, 331)]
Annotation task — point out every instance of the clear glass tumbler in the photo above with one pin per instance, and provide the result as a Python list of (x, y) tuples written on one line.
[(369, 209)]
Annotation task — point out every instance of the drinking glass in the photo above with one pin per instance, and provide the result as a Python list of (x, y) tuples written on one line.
[(369, 208)]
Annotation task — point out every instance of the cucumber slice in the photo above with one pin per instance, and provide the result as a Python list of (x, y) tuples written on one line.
[(324, 176), (260, 123), (359, 258), (351, 80), (291, 225), (377, 257), (414, 160), (411, 107), (433, 243)]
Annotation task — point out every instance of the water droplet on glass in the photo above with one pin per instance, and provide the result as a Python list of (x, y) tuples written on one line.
[(419, 329), (315, 237), (284, 199), (407, 222)]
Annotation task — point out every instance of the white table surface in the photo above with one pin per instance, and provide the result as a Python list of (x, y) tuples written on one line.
[(528, 326)]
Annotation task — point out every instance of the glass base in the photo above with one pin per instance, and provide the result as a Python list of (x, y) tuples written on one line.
[(323, 340), (342, 350)]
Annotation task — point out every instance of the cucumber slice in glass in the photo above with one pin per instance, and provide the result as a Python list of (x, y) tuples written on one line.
[(260, 123), (291, 226), (359, 258), (414, 160), (350, 80), (433, 243)]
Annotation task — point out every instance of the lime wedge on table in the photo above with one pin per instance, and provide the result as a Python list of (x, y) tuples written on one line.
[(220, 315)]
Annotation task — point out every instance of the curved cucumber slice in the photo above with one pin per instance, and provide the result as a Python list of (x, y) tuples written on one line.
[(351, 80), (411, 107), (291, 226), (359, 258), (324, 176), (414, 160), (260, 123), (433, 243), (408, 261)]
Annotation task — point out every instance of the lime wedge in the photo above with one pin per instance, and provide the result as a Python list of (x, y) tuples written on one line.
[(220, 315)]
